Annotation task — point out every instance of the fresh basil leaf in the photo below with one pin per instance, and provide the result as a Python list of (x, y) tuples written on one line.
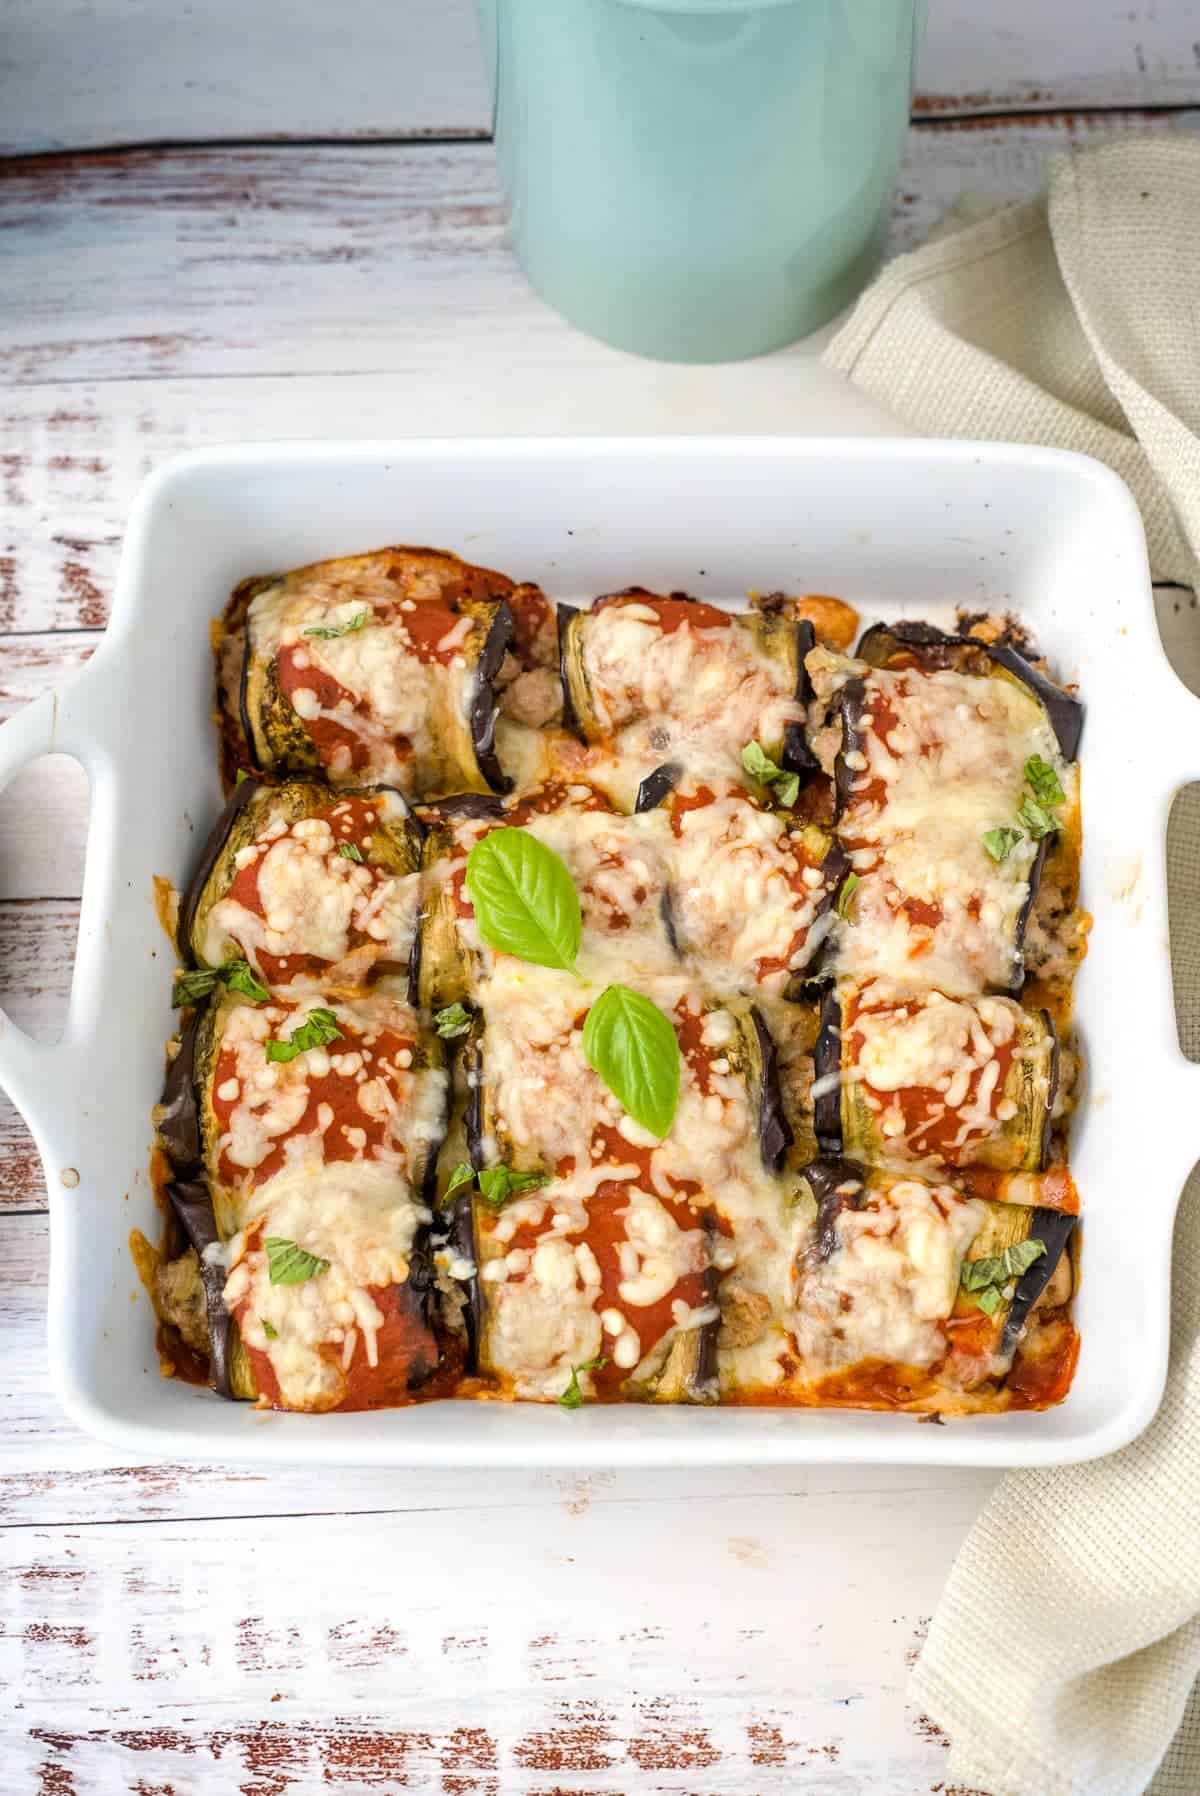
[(350, 851), (498, 1183), (1022, 1255), (329, 632), (242, 774), (193, 985), (635, 1050), (269, 1329), (1043, 781), (990, 1299), (1037, 820), (1001, 842), (239, 977), (288, 1264), (318, 1029), (787, 789), (572, 1397), (462, 1175), (524, 899), (454, 1020), (850, 885), (978, 1274)]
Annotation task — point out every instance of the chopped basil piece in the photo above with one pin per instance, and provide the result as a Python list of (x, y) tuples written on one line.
[(329, 632), (987, 1278), (269, 1329), (462, 1175), (989, 1299), (454, 1020), (238, 777), (1037, 820), (318, 1029), (760, 766), (350, 851), (198, 982), (1043, 781), (288, 1264), (572, 1397), (1001, 842), (850, 885), (498, 1183)]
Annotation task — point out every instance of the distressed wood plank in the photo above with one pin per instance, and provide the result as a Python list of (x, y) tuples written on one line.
[(381, 260), (86, 73)]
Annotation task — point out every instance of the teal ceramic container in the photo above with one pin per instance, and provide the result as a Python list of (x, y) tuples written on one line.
[(699, 180)]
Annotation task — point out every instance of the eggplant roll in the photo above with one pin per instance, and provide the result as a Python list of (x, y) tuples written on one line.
[(307, 885), (619, 865), (751, 889), (911, 1076), (316, 1170), (679, 673), (617, 1293), (936, 813), (376, 668), (901, 1293)]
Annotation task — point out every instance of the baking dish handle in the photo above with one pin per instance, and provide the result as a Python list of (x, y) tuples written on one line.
[(55, 722)]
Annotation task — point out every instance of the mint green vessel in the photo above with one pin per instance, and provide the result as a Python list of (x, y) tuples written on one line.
[(699, 180)]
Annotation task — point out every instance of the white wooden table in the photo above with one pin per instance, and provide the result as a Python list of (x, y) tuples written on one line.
[(170, 1629)]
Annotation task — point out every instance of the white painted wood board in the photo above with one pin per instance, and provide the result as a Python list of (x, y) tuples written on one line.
[(79, 74)]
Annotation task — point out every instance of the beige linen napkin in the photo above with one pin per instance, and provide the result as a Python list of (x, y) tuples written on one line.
[(1067, 1641)]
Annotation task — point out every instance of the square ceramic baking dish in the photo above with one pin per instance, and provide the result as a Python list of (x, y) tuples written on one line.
[(899, 528)]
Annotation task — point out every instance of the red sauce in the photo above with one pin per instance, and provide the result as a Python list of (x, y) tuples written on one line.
[(930, 1126), (326, 734), (426, 626), (339, 1092), (682, 802), (871, 1384), (672, 613), (533, 625), (1036, 1382)]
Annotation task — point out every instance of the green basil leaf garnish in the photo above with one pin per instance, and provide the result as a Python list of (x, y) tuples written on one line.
[(760, 766), (454, 1020), (1037, 820), (1043, 781), (318, 1029), (288, 1264), (498, 1183), (242, 774), (329, 632), (350, 851), (1001, 842), (238, 977), (462, 1175), (572, 1397), (987, 1278), (524, 899), (989, 1299), (850, 885), (1022, 1255), (635, 1050), (198, 982), (269, 1329)]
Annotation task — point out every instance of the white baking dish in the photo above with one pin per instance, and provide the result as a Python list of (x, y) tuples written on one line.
[(898, 528)]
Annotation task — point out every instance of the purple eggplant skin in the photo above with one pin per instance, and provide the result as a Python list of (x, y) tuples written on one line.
[(566, 615), (467, 804), (706, 1375), (806, 642), (1055, 1228), (943, 649), (657, 786), (1051, 1092), (827, 1061), (179, 1116), (210, 854), (851, 700), (837, 1184), (192, 1208), (1026, 911), (483, 700), (244, 702), (774, 1132), (796, 755), (459, 1237)]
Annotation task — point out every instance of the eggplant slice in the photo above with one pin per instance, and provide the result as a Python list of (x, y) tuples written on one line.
[(421, 609)]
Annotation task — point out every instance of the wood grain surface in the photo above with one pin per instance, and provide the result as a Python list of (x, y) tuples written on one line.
[(172, 1630)]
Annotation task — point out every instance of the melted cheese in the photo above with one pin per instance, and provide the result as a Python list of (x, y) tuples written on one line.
[(890, 1284), (364, 1221), (315, 903)]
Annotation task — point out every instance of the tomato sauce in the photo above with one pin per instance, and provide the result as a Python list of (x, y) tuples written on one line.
[(671, 612), (339, 1092), (930, 1125), (533, 625)]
